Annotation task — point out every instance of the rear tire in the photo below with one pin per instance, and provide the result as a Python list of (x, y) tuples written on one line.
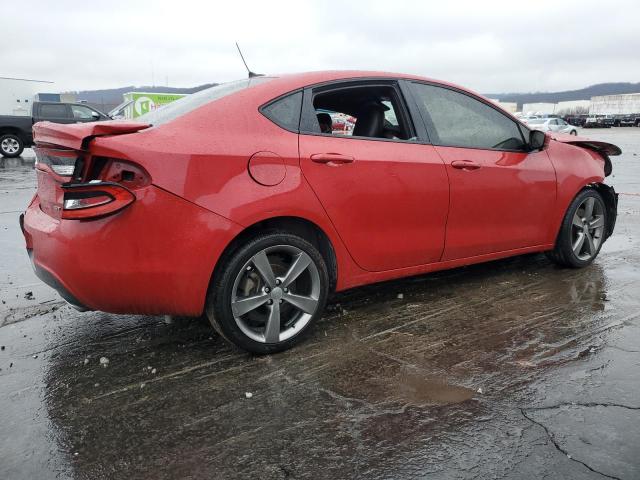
[(11, 145), (573, 132), (268, 293), (582, 231)]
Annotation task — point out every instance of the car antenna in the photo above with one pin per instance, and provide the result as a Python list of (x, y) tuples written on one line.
[(251, 74)]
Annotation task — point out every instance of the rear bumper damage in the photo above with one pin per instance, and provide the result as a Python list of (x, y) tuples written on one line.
[(155, 257)]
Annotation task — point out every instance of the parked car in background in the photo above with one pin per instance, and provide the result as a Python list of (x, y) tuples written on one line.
[(575, 120), (630, 120), (599, 121), (256, 215), (16, 130), (551, 125)]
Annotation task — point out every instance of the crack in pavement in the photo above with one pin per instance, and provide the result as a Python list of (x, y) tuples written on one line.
[(557, 445), (581, 404)]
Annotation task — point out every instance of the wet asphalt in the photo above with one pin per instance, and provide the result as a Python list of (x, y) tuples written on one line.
[(511, 369)]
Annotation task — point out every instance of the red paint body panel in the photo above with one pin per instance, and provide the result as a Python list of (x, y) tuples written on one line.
[(389, 206), (575, 167), (398, 209), (489, 210), (153, 257)]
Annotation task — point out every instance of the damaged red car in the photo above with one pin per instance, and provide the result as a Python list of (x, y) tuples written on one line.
[(242, 202)]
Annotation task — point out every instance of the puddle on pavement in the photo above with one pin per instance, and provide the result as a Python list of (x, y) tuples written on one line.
[(412, 387)]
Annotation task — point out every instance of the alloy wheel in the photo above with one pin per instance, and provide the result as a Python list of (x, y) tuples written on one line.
[(10, 146), (276, 294), (587, 228)]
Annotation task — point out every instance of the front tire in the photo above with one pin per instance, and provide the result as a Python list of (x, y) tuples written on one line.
[(573, 132), (11, 145), (268, 293), (582, 231)]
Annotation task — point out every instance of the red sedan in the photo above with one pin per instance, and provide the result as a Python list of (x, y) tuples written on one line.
[(240, 202)]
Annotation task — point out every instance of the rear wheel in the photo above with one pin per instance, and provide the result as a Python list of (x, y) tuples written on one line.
[(268, 293), (11, 145), (573, 132), (582, 231)]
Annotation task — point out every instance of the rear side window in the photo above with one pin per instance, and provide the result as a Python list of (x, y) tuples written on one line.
[(459, 120), (53, 111), (285, 111), (180, 107)]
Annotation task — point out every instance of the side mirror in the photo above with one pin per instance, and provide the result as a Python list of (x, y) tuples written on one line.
[(536, 140)]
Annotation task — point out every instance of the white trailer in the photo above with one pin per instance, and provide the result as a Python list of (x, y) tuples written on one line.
[(17, 95)]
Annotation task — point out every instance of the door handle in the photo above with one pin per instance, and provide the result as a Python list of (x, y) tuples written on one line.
[(465, 164), (331, 158)]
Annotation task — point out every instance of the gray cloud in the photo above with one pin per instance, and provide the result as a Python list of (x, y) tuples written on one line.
[(488, 46)]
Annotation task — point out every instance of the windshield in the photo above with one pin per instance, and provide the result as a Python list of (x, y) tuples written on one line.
[(536, 121), (173, 110)]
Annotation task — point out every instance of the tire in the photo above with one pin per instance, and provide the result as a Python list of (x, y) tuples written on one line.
[(573, 132), (261, 270), (11, 145), (579, 242)]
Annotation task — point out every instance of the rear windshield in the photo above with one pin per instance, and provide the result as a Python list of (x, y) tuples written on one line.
[(186, 104), (535, 121)]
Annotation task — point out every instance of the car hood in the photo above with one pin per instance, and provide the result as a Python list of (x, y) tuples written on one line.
[(75, 135), (605, 148)]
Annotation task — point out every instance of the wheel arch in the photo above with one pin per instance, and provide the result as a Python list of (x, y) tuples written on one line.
[(610, 198), (300, 226), (14, 131)]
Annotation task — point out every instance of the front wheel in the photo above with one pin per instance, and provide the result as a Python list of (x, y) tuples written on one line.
[(573, 132), (11, 145), (582, 231), (268, 293)]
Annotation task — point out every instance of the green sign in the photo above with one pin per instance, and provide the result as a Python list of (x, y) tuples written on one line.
[(144, 102)]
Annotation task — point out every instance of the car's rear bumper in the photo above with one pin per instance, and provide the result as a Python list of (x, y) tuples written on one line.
[(155, 257)]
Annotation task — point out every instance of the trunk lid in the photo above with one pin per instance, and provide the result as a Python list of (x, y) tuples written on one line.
[(77, 135)]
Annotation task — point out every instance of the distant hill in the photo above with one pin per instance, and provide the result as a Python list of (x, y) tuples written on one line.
[(107, 99), (554, 97)]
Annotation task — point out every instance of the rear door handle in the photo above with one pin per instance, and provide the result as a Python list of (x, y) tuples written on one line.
[(465, 164), (331, 158)]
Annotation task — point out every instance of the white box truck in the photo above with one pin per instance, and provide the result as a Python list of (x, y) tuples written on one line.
[(17, 95)]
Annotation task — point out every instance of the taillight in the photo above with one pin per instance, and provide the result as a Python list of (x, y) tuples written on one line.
[(83, 201), (60, 161)]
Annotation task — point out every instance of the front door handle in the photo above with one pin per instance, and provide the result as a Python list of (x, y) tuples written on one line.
[(331, 158), (465, 164)]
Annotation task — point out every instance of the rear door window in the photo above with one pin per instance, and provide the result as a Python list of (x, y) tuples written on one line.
[(369, 110), (459, 120)]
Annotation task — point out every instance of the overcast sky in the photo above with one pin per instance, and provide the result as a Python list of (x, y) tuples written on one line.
[(489, 46)]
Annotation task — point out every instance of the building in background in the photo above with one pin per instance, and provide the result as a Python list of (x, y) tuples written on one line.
[(539, 108), (573, 107), (139, 103), (615, 104), (17, 94)]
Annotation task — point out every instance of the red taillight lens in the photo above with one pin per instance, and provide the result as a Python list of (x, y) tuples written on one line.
[(83, 201)]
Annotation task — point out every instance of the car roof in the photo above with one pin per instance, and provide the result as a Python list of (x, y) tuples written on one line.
[(299, 80)]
